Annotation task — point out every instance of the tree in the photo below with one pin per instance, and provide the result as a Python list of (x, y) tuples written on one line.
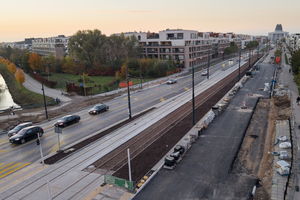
[(12, 68), (252, 44), (48, 63), (295, 62), (69, 66), (86, 47), (96, 51), (35, 62), (233, 48), (19, 75)]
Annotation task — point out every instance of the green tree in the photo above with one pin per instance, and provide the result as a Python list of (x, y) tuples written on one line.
[(48, 63), (252, 44), (295, 62), (233, 48), (86, 46), (95, 50)]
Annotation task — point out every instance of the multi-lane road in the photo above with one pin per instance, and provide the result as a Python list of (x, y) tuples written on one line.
[(15, 157)]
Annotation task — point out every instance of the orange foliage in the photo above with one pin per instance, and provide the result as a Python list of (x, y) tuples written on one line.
[(35, 61), (19, 75), (12, 68)]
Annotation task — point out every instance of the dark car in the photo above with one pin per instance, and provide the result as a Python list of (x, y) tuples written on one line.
[(98, 109), (17, 128), (67, 120), (26, 134), (171, 81)]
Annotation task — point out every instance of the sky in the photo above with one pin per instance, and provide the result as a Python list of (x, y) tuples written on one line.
[(21, 19)]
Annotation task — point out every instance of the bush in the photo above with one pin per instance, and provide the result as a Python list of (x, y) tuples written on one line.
[(41, 79)]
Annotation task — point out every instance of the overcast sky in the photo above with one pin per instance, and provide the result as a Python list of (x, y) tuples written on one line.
[(42, 18)]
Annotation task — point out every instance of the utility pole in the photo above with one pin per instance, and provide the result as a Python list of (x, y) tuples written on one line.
[(208, 63), (38, 142), (45, 104), (193, 93), (141, 79), (83, 80), (239, 64), (128, 93), (249, 57), (129, 165)]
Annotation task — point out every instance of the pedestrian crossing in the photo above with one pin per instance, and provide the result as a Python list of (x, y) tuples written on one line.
[(9, 168)]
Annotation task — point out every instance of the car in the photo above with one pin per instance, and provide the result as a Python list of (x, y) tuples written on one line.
[(17, 128), (67, 120), (204, 73), (99, 108), (26, 134), (171, 81)]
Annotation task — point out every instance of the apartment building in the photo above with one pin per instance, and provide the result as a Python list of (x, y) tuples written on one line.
[(57, 46), (186, 47), (293, 41)]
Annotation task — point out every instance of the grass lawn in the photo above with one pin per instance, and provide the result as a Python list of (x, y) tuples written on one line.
[(99, 83), (62, 78)]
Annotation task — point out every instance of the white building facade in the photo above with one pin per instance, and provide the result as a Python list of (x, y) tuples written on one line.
[(56, 46), (186, 47), (278, 34)]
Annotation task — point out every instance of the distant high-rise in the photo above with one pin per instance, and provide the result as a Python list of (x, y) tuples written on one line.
[(278, 28), (278, 34)]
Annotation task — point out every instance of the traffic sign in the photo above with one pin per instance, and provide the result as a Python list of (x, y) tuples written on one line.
[(58, 130)]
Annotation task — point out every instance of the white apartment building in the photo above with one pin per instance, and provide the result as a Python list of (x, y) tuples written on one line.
[(185, 47), (293, 41), (57, 46)]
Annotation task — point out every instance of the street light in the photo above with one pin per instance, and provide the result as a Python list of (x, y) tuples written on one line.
[(193, 93), (208, 63), (128, 93), (249, 57), (44, 97), (38, 142), (240, 64)]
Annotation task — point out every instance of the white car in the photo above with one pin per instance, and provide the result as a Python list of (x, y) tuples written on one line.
[(204, 73), (171, 81)]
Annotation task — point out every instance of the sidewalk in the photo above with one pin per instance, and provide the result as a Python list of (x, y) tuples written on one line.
[(287, 79)]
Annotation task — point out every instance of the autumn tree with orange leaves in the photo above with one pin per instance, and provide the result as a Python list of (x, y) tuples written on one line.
[(12, 68), (35, 62), (19, 75)]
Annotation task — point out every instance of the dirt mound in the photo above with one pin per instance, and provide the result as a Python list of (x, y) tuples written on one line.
[(282, 101)]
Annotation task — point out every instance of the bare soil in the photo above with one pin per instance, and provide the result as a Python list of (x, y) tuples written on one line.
[(255, 158)]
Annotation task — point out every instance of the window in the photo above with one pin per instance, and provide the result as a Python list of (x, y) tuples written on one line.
[(179, 35)]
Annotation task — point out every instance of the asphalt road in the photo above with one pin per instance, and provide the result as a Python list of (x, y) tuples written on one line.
[(15, 157), (204, 173)]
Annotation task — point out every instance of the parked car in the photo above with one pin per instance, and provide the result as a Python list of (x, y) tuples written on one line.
[(171, 81), (98, 109), (67, 120), (26, 134), (17, 128)]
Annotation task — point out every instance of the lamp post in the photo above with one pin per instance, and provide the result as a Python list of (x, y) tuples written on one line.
[(208, 63), (38, 142), (128, 93), (239, 64), (193, 94), (44, 97), (249, 57)]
